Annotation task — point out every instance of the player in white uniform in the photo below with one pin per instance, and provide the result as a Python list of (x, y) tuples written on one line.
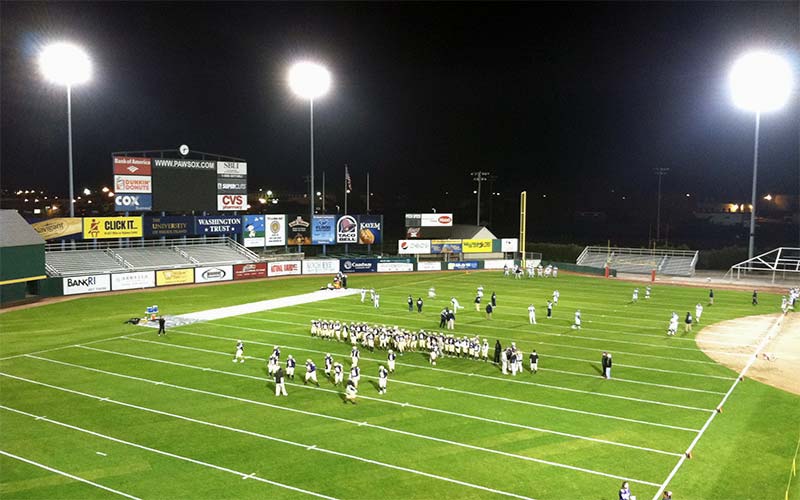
[(456, 305), (391, 358), (698, 311), (355, 375), (635, 297), (577, 324), (504, 361), (532, 314), (350, 392), (354, 356), (290, 364), (556, 296), (239, 356), (376, 301), (673, 325), (338, 373), (431, 293), (363, 294), (383, 377), (485, 350), (647, 292)]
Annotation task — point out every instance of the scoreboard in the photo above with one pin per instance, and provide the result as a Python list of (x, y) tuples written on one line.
[(179, 184)]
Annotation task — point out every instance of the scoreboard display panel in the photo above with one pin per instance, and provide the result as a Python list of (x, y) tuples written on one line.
[(179, 185), (183, 185)]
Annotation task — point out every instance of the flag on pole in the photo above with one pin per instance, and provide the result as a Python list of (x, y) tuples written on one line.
[(348, 183)]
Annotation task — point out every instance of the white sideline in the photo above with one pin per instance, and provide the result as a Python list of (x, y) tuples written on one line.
[(387, 401), (403, 382), (331, 417), (66, 474), (703, 429), (147, 448), (575, 335), (248, 433), (512, 380), (593, 349), (266, 305)]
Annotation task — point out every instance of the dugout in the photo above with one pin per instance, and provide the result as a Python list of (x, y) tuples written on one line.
[(21, 259)]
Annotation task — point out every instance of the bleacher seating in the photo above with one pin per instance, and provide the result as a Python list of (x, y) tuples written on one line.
[(87, 258), (213, 254), (640, 260), (152, 258), (82, 262)]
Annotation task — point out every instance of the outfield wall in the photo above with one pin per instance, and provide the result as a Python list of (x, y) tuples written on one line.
[(140, 280)]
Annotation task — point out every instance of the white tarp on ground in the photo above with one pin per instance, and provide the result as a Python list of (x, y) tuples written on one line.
[(253, 307)]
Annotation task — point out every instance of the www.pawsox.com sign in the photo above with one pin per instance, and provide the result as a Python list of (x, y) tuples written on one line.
[(87, 284)]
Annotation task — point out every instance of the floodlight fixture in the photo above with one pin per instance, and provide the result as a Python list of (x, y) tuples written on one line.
[(65, 64), (309, 80), (761, 81)]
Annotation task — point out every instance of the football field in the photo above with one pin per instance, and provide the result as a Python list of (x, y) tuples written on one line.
[(94, 408)]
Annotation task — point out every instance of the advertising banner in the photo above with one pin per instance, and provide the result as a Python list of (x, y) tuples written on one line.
[(285, 268), (298, 231), (347, 229), (231, 185), (467, 264), (217, 225), (323, 230), (112, 227), (410, 247), (168, 226), (184, 164), (133, 184), (174, 277), (132, 281), (476, 246), (253, 230), (429, 266), (232, 167), (436, 220), (216, 273), (369, 229), (231, 202), (395, 267), (359, 265), (59, 227), (87, 284), (498, 263), (127, 165), (250, 271), (509, 245), (445, 246), (275, 230), (320, 266), (133, 202)]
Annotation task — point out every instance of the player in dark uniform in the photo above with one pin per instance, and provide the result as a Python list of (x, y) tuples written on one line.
[(419, 304), (755, 297), (162, 326), (410, 304)]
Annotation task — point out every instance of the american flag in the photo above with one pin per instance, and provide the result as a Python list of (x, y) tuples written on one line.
[(348, 183)]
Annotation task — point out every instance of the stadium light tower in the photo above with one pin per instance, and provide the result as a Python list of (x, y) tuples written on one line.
[(310, 81), (760, 82), (66, 64)]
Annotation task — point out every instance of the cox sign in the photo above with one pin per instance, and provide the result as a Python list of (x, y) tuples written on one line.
[(231, 202), (133, 202)]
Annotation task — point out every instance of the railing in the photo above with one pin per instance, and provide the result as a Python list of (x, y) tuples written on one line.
[(136, 243)]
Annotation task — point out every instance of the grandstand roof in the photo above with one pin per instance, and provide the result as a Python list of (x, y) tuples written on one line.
[(16, 232)]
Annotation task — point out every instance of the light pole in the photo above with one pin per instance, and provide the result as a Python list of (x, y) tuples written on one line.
[(479, 176), (660, 172), (760, 82), (310, 81), (66, 64)]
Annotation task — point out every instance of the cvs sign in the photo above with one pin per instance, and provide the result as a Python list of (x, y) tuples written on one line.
[(231, 202)]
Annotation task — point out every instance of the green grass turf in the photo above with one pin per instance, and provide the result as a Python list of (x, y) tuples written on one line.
[(459, 430)]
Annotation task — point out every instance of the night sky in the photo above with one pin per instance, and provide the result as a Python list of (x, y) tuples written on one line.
[(567, 99)]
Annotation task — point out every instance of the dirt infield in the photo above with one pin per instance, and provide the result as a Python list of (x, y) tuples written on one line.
[(779, 363)]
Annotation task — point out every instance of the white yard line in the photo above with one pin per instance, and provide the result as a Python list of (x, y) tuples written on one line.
[(60, 348), (388, 401), (142, 447), (66, 474), (334, 418), (443, 370), (403, 382), (754, 357)]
